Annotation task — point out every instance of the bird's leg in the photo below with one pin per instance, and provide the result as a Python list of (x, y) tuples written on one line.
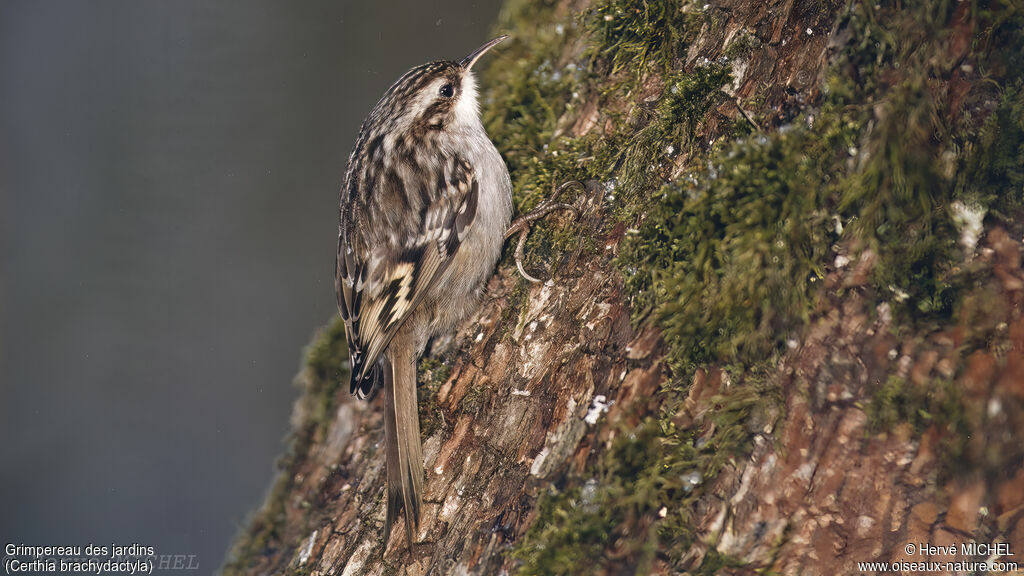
[(522, 224)]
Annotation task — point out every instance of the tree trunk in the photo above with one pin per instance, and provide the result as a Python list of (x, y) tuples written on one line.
[(572, 428)]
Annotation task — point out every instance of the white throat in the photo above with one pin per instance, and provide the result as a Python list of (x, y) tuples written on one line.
[(467, 111)]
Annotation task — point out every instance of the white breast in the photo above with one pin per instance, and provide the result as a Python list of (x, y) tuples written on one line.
[(458, 290)]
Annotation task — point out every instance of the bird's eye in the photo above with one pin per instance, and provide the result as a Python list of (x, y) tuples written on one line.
[(447, 90)]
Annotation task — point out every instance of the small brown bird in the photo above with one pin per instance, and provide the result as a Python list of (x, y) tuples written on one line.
[(423, 215)]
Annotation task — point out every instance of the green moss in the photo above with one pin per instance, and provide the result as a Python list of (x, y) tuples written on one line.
[(728, 259), (730, 256), (551, 547), (741, 45), (430, 375), (921, 151), (527, 90), (998, 39), (898, 401), (638, 157), (535, 89), (937, 402), (640, 35), (626, 162), (895, 186), (474, 399), (900, 196), (327, 370), (515, 307), (995, 164), (539, 90), (715, 562), (643, 489), (656, 465)]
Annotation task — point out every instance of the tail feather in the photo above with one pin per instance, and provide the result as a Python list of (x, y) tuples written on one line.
[(366, 387), (402, 442)]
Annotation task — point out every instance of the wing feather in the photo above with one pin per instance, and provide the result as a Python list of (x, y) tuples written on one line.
[(380, 288)]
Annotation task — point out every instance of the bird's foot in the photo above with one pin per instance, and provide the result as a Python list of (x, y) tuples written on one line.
[(522, 224)]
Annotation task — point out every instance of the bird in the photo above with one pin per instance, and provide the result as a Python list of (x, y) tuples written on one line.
[(423, 214)]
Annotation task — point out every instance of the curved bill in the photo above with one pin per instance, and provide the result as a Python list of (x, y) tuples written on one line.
[(468, 61)]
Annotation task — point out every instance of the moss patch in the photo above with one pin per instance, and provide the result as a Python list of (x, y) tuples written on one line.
[(640, 498), (326, 372), (994, 168), (638, 34), (900, 402), (430, 375), (729, 255), (541, 92), (935, 404), (728, 258), (536, 90)]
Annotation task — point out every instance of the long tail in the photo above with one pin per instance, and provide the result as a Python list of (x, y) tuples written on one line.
[(402, 441)]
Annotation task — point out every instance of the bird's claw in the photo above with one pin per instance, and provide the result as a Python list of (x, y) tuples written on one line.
[(522, 224)]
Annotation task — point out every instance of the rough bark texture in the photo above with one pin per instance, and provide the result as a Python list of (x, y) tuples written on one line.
[(546, 378), (832, 493)]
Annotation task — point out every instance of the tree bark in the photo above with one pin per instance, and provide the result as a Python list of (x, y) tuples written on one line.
[(546, 377)]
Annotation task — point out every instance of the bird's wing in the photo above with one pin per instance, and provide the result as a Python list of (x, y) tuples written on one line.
[(379, 288)]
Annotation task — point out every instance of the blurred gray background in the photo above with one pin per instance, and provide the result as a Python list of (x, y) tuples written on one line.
[(168, 185)]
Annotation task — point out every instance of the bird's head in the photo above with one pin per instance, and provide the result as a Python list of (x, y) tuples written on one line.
[(437, 96)]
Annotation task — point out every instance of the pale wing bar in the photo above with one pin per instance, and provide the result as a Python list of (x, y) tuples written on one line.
[(376, 296)]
